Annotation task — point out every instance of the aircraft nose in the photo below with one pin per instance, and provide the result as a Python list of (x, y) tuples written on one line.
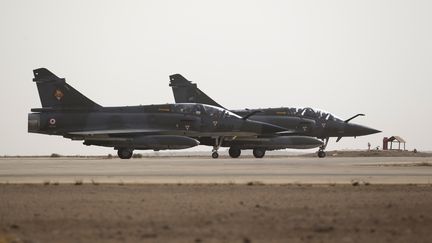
[(352, 129)]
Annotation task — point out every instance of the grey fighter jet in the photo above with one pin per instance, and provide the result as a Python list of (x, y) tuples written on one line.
[(297, 121), (68, 113)]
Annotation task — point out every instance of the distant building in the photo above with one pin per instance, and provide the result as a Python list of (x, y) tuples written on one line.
[(391, 140)]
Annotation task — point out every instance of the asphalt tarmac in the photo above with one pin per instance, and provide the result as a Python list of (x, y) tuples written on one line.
[(160, 170)]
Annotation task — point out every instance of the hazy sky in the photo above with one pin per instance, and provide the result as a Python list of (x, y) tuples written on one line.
[(346, 57)]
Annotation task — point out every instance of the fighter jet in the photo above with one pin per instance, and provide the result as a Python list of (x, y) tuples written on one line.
[(296, 121), (68, 113)]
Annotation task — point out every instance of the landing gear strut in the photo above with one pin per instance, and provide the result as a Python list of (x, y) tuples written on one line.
[(259, 152), (218, 143), (234, 152), (321, 152), (125, 153)]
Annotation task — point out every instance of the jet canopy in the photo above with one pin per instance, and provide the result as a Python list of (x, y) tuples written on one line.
[(201, 109), (317, 114)]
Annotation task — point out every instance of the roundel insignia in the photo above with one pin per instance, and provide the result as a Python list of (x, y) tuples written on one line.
[(58, 94), (52, 121)]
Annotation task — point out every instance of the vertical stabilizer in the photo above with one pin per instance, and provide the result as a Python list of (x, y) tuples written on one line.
[(55, 93), (187, 92)]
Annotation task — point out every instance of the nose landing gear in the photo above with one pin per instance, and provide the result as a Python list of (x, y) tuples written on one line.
[(321, 152), (218, 144), (215, 155)]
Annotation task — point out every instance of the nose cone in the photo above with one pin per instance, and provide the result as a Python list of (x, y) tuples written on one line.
[(352, 129)]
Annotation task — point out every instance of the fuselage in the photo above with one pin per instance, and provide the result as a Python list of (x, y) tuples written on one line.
[(192, 120)]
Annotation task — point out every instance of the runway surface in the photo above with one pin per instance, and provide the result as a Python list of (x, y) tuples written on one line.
[(376, 170)]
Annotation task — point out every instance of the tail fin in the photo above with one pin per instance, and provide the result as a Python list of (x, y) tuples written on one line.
[(55, 93), (187, 92)]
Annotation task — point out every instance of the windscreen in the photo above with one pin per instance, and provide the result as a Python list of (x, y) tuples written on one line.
[(200, 109), (318, 114)]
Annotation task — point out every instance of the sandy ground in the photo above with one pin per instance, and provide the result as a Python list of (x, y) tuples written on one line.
[(215, 213), (368, 199)]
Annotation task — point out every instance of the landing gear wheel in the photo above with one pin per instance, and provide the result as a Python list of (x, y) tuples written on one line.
[(259, 152), (218, 144), (321, 154), (125, 153), (234, 152)]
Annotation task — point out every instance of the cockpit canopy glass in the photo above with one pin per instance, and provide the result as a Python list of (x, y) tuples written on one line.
[(317, 114), (201, 109)]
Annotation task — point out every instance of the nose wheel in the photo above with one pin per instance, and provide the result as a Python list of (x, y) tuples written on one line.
[(218, 144), (321, 152)]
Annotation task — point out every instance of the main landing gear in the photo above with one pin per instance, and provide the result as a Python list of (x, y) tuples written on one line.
[(234, 152), (321, 152), (125, 153), (259, 152), (218, 144)]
